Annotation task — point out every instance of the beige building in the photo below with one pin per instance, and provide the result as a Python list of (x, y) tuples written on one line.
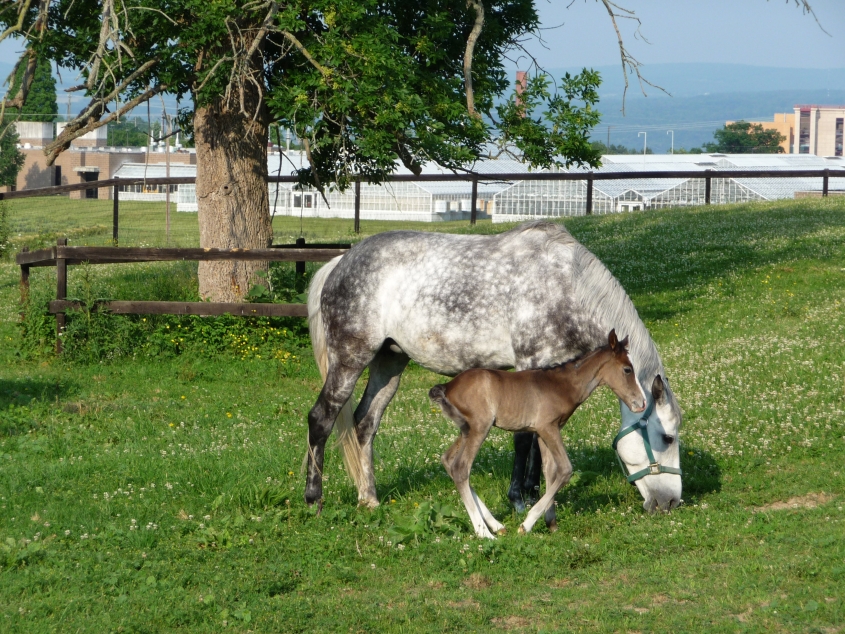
[(88, 159), (819, 130)]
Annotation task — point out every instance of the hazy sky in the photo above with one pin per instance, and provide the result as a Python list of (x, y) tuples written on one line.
[(755, 32)]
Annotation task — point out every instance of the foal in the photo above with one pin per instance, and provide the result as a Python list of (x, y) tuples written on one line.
[(538, 401)]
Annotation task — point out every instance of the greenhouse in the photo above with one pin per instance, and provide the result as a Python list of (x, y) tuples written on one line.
[(505, 201), (526, 200)]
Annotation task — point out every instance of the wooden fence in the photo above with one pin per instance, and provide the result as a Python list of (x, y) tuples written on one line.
[(61, 256)]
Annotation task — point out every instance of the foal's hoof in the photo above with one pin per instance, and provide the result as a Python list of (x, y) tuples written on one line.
[(370, 505), (552, 526), (521, 530), (502, 531), (317, 506)]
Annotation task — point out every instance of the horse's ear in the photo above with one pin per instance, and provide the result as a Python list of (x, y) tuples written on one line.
[(658, 391), (612, 340)]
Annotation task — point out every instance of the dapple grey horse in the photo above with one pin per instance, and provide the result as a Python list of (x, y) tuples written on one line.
[(527, 298)]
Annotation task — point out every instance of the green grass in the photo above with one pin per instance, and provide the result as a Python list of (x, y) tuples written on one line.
[(165, 494), (37, 222)]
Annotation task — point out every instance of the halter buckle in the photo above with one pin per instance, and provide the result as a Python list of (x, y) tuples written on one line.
[(654, 469)]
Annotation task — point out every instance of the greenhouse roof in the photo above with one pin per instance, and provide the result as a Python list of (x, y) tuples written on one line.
[(154, 170)]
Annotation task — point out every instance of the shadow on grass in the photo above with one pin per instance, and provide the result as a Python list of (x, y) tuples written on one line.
[(20, 392), (599, 481)]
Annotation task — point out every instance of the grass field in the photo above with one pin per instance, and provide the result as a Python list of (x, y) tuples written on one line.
[(165, 494), (37, 222)]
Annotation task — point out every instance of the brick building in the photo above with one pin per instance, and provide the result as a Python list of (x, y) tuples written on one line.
[(87, 159)]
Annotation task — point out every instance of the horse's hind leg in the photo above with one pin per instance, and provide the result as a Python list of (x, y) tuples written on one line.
[(385, 372), (340, 382)]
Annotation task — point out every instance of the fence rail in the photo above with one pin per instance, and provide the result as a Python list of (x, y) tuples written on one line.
[(61, 256), (472, 177)]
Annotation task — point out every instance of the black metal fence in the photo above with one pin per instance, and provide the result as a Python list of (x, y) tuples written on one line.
[(96, 213)]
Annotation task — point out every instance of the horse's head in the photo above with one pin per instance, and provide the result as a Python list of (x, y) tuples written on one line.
[(660, 490), (618, 374)]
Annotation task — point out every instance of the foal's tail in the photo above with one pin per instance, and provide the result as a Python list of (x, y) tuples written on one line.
[(345, 423), (437, 394)]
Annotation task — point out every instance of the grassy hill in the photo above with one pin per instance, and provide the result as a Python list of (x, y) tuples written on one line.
[(159, 488)]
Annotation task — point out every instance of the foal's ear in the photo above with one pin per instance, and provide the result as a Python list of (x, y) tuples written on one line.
[(612, 340), (658, 391), (624, 343)]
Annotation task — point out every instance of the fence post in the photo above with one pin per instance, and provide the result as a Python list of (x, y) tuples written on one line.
[(474, 203), (114, 219), (24, 279), (357, 206), (589, 193), (61, 292), (825, 181), (707, 186)]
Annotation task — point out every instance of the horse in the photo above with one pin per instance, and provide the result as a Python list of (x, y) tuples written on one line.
[(537, 401), (526, 298)]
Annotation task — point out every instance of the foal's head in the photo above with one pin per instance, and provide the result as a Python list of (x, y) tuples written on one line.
[(618, 374)]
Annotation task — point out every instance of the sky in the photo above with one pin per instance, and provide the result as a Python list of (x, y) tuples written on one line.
[(755, 32), (771, 33)]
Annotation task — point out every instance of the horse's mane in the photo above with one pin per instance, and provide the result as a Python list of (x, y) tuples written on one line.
[(603, 296)]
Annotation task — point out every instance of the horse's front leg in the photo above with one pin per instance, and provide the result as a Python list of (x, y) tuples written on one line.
[(521, 449), (531, 484)]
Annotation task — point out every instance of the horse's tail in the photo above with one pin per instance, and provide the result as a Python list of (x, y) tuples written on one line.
[(345, 423)]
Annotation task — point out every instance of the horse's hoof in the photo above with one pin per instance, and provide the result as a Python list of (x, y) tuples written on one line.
[(553, 526), (519, 506), (317, 505), (521, 530), (370, 505), (502, 531)]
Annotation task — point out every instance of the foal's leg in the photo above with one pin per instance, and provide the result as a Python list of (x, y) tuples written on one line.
[(340, 382), (558, 473), (458, 461), (385, 371)]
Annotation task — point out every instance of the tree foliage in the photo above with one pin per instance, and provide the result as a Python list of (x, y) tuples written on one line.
[(11, 158), (743, 137), (40, 104), (361, 82)]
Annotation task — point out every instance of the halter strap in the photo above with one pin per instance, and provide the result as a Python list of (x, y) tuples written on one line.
[(654, 467)]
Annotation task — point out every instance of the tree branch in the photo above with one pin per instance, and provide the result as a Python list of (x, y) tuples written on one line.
[(629, 62), (325, 72), (471, 40)]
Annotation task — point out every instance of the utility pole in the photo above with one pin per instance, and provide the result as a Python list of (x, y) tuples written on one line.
[(672, 132), (608, 138), (645, 140)]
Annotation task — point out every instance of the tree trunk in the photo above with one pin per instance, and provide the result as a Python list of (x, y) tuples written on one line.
[(232, 198)]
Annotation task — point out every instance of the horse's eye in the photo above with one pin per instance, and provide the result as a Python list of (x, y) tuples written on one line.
[(668, 439), (627, 370)]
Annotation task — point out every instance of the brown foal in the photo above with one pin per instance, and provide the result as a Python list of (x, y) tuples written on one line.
[(538, 401)]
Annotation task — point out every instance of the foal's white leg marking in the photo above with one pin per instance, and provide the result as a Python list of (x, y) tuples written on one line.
[(470, 502), (492, 523)]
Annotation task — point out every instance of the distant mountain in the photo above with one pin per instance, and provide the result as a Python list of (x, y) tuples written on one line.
[(687, 80), (694, 119)]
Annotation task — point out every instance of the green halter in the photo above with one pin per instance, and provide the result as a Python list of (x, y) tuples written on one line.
[(653, 468)]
